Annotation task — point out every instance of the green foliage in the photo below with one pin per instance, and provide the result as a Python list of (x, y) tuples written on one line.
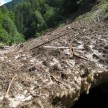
[(102, 12), (49, 16), (32, 17), (8, 30), (35, 16), (12, 4), (41, 25)]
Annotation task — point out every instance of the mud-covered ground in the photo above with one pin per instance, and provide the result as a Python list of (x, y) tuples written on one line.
[(52, 71)]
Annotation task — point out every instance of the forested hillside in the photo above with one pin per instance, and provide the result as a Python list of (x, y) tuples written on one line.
[(29, 18), (8, 30)]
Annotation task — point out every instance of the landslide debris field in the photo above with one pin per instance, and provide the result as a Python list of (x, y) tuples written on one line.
[(52, 71)]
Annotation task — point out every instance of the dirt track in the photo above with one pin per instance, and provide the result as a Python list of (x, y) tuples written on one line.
[(54, 77)]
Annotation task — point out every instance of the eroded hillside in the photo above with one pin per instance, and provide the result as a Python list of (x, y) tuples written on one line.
[(52, 71)]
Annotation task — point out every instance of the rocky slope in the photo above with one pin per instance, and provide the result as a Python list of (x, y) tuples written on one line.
[(53, 70)]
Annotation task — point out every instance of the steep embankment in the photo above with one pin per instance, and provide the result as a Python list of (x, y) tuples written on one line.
[(52, 71)]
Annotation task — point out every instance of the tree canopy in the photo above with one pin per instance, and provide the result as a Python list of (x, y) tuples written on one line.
[(24, 19)]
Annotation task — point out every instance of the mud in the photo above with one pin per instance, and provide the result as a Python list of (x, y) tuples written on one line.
[(54, 77)]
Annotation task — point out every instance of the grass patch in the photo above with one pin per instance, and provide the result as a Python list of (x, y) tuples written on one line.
[(98, 13)]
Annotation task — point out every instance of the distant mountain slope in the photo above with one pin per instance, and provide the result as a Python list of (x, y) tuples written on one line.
[(11, 4)]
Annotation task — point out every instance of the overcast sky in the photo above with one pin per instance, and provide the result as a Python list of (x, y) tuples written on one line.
[(4, 1)]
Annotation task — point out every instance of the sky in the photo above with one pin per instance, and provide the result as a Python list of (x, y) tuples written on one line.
[(4, 1)]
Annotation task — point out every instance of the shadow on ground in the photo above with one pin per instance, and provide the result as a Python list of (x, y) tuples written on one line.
[(97, 97)]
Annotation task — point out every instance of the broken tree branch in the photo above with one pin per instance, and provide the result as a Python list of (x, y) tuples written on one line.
[(10, 84), (50, 40), (55, 47), (72, 49), (63, 47), (75, 54)]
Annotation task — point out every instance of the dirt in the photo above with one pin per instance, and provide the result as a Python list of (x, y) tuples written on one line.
[(54, 69)]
